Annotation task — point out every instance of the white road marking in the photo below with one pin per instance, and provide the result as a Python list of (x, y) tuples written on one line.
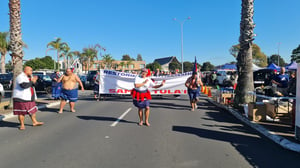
[(120, 118)]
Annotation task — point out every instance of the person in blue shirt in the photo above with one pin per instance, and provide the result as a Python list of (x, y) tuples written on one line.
[(281, 81)]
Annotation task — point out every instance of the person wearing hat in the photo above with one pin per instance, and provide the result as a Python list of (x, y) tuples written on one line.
[(141, 95), (193, 84)]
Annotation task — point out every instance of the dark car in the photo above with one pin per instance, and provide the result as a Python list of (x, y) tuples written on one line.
[(43, 84), (262, 77), (90, 79), (83, 80), (6, 80)]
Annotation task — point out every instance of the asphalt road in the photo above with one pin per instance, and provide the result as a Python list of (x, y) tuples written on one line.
[(90, 138)]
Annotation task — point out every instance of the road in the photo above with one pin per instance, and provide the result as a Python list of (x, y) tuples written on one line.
[(91, 138)]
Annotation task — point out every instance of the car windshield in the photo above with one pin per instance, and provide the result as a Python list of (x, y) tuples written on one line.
[(47, 78)]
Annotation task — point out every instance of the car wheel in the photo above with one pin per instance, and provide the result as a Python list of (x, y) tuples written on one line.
[(48, 90)]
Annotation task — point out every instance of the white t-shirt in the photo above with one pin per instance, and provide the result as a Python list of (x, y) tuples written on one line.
[(139, 80)]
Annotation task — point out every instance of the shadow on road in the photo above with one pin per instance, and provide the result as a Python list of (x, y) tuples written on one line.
[(101, 118), (169, 106), (252, 148), (10, 124)]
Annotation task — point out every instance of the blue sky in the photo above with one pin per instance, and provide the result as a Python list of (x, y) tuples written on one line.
[(146, 26)]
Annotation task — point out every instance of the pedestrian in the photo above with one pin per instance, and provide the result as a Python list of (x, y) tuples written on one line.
[(292, 92), (141, 95), (214, 78), (24, 97), (69, 90), (56, 86), (281, 82), (96, 86), (193, 84)]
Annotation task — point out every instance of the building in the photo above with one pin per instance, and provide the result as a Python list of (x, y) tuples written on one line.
[(165, 62), (117, 65)]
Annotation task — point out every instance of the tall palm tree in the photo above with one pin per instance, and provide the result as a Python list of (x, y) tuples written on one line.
[(244, 58), (65, 52), (128, 63), (122, 64), (107, 60), (57, 45), (15, 35), (90, 54), (4, 46)]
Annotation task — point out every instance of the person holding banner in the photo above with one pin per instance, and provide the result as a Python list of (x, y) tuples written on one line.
[(141, 95), (96, 86)]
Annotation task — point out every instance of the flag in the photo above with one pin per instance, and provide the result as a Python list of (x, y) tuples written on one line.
[(195, 66)]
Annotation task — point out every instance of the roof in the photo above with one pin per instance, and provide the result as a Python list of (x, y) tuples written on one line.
[(273, 66), (165, 60)]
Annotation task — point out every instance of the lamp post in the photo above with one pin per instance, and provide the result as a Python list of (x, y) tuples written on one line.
[(181, 26), (278, 52)]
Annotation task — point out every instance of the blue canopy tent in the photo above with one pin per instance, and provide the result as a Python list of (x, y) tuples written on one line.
[(273, 66), (292, 66), (229, 66)]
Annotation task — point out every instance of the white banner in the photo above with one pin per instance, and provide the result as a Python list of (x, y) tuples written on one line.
[(113, 82), (297, 129)]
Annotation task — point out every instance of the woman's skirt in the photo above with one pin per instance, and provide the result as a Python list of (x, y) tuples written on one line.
[(24, 108)]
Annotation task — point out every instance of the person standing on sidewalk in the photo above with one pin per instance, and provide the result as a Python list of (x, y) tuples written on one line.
[(141, 95), (56, 86), (24, 97), (69, 89)]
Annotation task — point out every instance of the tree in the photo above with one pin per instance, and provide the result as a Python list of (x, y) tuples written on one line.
[(122, 64), (15, 36), (65, 54), (139, 57), (126, 57), (174, 65), (8, 66), (4, 47), (90, 54), (153, 66), (188, 66), (57, 45), (207, 66), (40, 63), (107, 60), (296, 54), (244, 57), (128, 63), (274, 59), (258, 57)]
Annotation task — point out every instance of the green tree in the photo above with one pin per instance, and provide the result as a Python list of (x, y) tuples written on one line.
[(8, 66), (139, 57), (274, 59), (122, 65), (188, 66), (153, 66), (65, 55), (89, 54), (57, 45), (296, 54), (107, 60), (40, 63), (258, 57), (126, 57), (207, 66), (4, 47), (174, 65), (244, 57)]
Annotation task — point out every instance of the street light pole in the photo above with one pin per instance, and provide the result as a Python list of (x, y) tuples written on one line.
[(278, 53), (181, 27)]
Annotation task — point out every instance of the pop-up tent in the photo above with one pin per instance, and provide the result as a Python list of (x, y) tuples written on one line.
[(292, 66), (229, 66), (273, 66), (255, 67)]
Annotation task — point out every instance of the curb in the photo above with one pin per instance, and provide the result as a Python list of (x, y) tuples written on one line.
[(10, 115), (283, 142)]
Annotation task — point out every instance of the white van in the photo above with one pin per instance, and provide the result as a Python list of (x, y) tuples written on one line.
[(223, 76)]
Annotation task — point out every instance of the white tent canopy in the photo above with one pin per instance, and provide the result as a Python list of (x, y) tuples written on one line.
[(255, 67)]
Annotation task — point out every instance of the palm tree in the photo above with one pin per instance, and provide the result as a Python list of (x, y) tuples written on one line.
[(72, 55), (58, 46), (244, 58), (16, 44), (4, 46), (65, 52), (89, 54), (128, 63), (107, 60)]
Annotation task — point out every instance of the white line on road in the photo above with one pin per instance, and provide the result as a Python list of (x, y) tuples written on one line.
[(120, 118)]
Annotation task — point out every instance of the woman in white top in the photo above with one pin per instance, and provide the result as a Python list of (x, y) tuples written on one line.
[(141, 95)]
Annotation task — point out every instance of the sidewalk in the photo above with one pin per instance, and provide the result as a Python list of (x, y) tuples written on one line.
[(41, 103), (279, 132)]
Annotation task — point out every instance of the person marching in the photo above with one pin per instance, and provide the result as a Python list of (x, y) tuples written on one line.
[(96, 86), (141, 95), (193, 84), (69, 90), (24, 97), (56, 86)]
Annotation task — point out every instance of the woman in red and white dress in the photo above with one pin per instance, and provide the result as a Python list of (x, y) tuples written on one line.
[(141, 95)]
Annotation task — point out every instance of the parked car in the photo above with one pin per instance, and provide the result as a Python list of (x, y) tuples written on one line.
[(83, 80), (43, 84), (223, 77), (6, 80), (90, 79)]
